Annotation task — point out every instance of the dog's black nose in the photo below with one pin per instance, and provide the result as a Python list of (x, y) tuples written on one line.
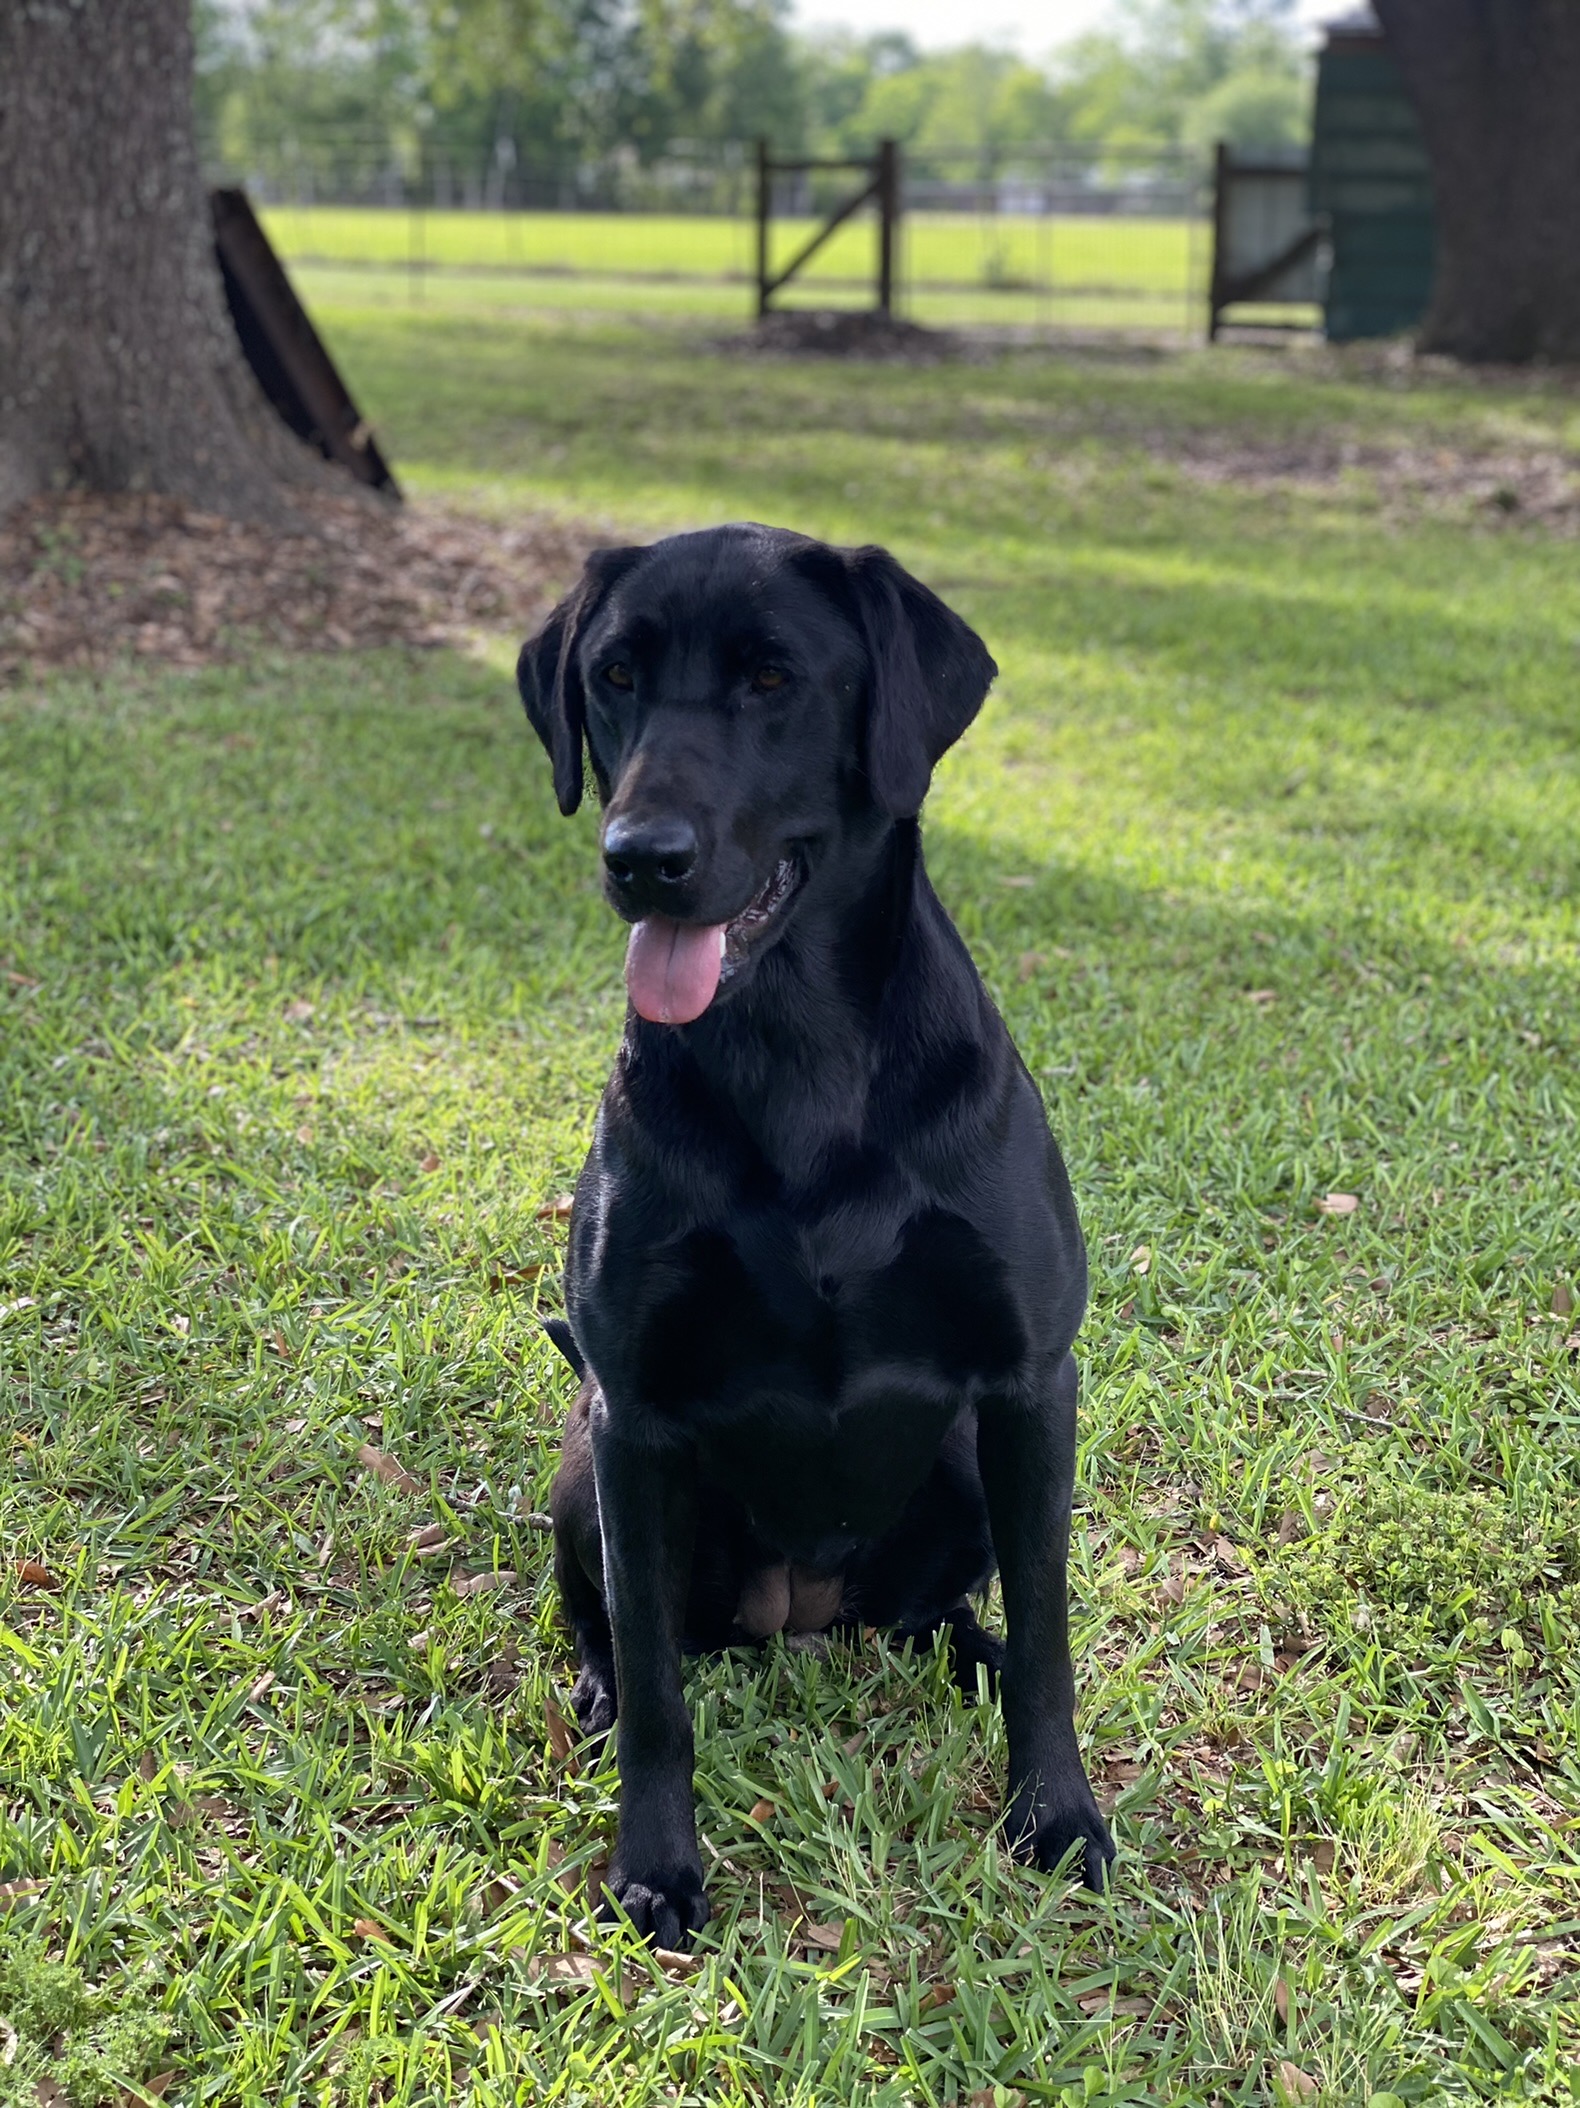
[(644, 852)]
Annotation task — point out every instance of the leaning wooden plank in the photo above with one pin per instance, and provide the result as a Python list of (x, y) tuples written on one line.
[(285, 351)]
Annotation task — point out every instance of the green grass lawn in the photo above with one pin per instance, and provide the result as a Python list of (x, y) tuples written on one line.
[(1266, 843), (1106, 271)]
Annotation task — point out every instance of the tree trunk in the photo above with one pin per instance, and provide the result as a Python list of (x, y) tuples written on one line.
[(1496, 84), (119, 366)]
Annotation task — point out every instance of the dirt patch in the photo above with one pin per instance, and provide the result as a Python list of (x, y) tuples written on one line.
[(87, 580), (846, 333), (1537, 484)]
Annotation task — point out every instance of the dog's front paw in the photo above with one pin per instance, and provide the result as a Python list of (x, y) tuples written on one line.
[(593, 1700), (666, 1908), (1046, 1837)]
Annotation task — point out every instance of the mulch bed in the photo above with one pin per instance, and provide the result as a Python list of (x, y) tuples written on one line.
[(86, 580), (846, 333), (1536, 484)]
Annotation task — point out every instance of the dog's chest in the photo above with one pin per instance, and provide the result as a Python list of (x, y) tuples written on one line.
[(729, 1322)]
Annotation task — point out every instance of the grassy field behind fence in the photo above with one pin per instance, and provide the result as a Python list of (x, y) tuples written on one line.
[(1112, 271), (1267, 843)]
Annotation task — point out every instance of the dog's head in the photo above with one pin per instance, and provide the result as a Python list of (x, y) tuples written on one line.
[(745, 697)]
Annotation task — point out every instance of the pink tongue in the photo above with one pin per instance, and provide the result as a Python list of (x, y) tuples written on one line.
[(672, 968)]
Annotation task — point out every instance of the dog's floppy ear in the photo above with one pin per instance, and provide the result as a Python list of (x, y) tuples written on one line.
[(930, 672), (550, 679)]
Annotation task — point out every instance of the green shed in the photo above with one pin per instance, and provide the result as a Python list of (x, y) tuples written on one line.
[(1372, 184)]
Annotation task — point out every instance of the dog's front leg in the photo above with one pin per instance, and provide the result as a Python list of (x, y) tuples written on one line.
[(1026, 1450), (647, 1509)]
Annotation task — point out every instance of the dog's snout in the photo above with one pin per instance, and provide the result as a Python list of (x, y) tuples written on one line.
[(644, 852)]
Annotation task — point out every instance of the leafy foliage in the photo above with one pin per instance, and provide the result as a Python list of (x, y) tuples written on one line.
[(1413, 1570), (73, 2042)]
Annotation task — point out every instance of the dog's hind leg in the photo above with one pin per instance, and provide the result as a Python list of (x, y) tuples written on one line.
[(971, 1647), (578, 1569)]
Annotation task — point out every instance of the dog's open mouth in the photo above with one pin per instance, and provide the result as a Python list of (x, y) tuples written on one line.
[(673, 969)]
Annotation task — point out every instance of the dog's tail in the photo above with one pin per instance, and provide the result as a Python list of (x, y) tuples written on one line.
[(565, 1340)]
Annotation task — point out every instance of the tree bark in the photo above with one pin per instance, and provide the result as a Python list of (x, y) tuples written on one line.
[(119, 367), (1496, 85)]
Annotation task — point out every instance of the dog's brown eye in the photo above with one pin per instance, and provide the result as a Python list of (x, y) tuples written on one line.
[(767, 678), (618, 675)]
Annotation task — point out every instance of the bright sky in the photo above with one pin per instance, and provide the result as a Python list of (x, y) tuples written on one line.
[(1030, 26)]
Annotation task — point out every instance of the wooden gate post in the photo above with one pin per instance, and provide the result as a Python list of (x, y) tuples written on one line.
[(764, 208), (888, 217)]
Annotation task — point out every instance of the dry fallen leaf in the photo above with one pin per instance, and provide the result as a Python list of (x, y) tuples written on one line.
[(1030, 963), (369, 1929), (562, 1969), (31, 1573), (430, 1162), (762, 1812), (558, 1209), (1563, 1299), (181, 1326), (304, 1134), (1291, 1524), (1323, 1855), (388, 1469), (1261, 995), (934, 1996), (147, 1766), (826, 1937), (1095, 2002), (483, 1584), (12, 1892), (1298, 2085), (1227, 1557), (432, 1537), (1338, 1204), (1173, 1589), (503, 1673), (562, 1736), (1019, 879), (677, 1965), (1141, 1259), (1281, 2000), (514, 1276), (262, 1687), (299, 1011)]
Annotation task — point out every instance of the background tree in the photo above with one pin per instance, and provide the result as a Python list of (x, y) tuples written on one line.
[(1173, 73), (571, 93), (119, 367), (1497, 90)]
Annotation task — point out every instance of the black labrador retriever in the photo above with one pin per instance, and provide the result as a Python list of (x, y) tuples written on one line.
[(825, 1268)]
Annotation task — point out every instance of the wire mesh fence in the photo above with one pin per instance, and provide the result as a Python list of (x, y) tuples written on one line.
[(1059, 238)]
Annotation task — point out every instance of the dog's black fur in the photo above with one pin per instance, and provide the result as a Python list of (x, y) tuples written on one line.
[(825, 1270)]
